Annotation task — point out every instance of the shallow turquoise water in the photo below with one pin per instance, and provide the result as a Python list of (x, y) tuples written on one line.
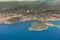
[(20, 32)]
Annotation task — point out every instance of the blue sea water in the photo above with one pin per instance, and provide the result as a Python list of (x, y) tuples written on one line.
[(20, 31)]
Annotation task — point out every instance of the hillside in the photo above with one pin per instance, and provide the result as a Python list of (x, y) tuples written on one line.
[(27, 9)]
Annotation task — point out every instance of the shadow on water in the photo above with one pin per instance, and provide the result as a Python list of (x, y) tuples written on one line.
[(20, 31)]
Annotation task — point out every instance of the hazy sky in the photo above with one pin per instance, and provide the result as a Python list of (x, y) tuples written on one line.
[(29, 0)]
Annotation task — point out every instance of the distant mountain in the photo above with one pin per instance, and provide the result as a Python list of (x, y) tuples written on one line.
[(28, 5), (12, 4)]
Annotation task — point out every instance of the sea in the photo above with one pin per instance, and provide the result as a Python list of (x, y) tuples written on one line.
[(20, 31)]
